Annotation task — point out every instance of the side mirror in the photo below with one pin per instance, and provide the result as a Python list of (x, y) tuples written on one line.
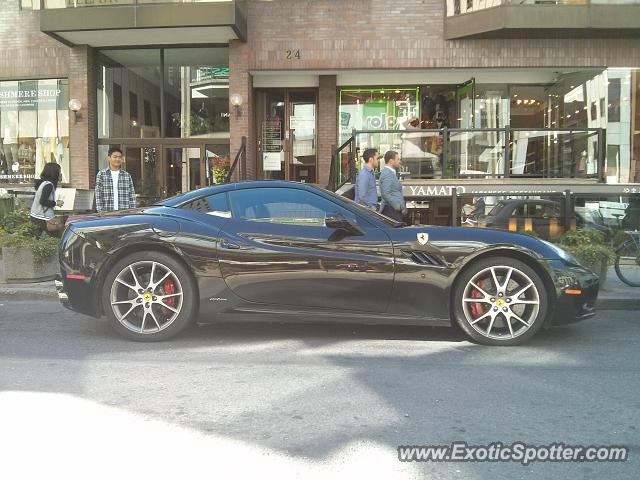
[(339, 222)]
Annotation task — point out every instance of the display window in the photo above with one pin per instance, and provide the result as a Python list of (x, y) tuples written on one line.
[(34, 129)]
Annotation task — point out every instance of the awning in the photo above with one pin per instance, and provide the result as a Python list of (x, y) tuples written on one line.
[(146, 24)]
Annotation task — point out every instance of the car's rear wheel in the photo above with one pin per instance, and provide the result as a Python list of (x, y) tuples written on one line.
[(500, 301), (149, 296)]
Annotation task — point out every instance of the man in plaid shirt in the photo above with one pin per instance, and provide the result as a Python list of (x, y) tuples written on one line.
[(114, 187)]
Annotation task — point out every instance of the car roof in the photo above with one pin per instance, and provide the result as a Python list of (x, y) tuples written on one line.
[(206, 191)]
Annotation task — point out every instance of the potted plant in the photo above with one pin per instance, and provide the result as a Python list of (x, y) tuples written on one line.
[(27, 254), (589, 248)]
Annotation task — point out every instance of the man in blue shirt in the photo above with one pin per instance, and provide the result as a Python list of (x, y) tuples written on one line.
[(366, 192), (393, 204)]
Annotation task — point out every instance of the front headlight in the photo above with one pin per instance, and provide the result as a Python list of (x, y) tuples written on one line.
[(563, 254)]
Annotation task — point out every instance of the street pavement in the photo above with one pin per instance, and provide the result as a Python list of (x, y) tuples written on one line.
[(308, 401)]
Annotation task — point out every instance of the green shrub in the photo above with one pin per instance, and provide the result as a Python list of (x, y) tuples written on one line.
[(16, 230), (588, 246)]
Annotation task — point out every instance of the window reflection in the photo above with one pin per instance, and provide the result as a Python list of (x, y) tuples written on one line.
[(197, 92)]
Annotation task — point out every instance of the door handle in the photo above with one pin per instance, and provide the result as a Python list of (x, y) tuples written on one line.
[(229, 245)]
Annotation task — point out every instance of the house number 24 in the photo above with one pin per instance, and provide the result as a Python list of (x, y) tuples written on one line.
[(291, 54)]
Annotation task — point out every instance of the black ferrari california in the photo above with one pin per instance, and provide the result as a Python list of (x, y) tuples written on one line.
[(280, 250)]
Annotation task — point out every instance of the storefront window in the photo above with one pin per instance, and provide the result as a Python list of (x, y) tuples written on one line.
[(197, 92), (387, 108), (34, 129)]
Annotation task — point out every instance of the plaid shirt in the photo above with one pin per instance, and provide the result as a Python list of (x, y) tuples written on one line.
[(104, 191)]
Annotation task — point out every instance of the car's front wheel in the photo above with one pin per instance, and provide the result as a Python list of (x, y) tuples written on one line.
[(500, 301), (149, 296)]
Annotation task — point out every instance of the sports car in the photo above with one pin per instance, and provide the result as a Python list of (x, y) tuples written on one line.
[(280, 251)]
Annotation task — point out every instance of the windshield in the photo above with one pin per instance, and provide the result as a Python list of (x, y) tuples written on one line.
[(367, 211), (495, 210)]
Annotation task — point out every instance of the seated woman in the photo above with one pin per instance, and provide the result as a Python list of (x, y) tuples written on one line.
[(44, 200)]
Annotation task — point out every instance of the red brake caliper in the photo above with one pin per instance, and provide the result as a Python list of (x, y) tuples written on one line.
[(169, 289), (476, 308)]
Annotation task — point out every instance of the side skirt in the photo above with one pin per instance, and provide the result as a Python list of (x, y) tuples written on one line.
[(267, 314)]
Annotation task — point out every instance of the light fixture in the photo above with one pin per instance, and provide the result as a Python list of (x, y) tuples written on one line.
[(75, 105), (237, 100)]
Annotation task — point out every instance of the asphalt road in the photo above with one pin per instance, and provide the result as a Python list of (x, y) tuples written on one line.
[(313, 401)]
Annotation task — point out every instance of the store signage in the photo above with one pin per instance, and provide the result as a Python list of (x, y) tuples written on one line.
[(272, 161), (382, 122), (210, 73), (17, 177), (443, 190), (432, 190), (12, 97)]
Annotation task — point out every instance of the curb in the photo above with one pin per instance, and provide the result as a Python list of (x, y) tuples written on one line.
[(618, 304), (27, 294)]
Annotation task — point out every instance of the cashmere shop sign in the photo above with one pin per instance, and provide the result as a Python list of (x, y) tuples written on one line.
[(20, 98)]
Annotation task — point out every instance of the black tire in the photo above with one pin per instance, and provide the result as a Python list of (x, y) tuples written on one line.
[(627, 249), (515, 332), (180, 276)]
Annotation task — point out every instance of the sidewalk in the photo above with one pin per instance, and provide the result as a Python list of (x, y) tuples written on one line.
[(614, 296)]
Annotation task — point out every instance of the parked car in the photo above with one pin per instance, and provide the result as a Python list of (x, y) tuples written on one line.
[(283, 251), (539, 216)]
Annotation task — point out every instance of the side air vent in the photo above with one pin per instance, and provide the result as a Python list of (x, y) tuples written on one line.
[(423, 258)]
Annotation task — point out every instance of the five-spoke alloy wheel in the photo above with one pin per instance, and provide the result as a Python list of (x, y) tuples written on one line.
[(149, 296), (500, 301)]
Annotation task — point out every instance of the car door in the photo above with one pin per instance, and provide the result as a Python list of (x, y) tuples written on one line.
[(276, 249)]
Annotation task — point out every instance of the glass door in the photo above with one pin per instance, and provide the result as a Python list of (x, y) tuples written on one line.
[(465, 99), (143, 164), (463, 151), (302, 134), (183, 170), (270, 116), (286, 126)]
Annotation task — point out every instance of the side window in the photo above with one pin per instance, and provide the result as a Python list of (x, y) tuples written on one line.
[(284, 206), (216, 204), (551, 211), (539, 210), (519, 211)]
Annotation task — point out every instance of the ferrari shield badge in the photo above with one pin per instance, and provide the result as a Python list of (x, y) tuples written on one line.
[(423, 238)]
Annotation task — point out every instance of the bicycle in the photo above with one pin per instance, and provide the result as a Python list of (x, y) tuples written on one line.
[(628, 259)]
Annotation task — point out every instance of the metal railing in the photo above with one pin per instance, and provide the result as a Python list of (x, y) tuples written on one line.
[(461, 7), (241, 159), (478, 153)]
